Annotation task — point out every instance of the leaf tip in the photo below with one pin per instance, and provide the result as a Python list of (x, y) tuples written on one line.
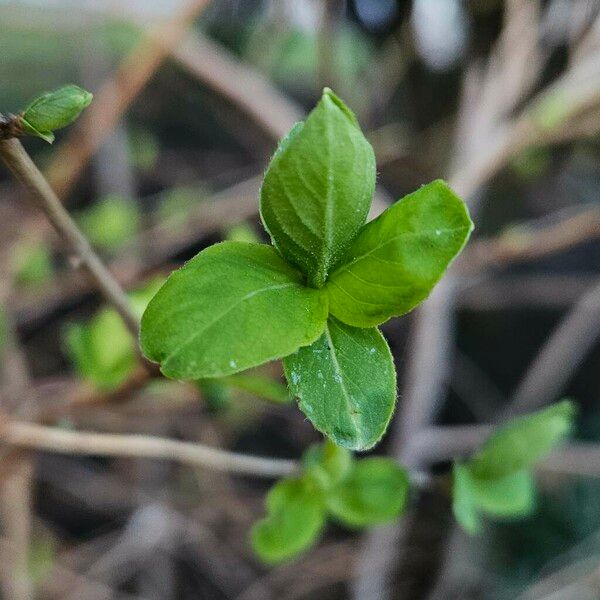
[(329, 96)]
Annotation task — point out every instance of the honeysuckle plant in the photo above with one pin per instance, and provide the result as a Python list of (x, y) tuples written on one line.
[(315, 297), (335, 486)]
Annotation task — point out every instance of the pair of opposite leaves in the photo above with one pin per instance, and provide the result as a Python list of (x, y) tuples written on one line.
[(315, 298)]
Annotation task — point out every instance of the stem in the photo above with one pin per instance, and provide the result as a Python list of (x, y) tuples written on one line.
[(29, 435), (24, 169)]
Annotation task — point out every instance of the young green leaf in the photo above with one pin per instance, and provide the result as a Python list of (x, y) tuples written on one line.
[(374, 492), (511, 495), (54, 110), (295, 518), (232, 307), (346, 384), (318, 188), (522, 442), (396, 259), (327, 463)]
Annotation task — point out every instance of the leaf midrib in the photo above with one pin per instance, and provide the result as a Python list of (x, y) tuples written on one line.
[(426, 233), (223, 314), (338, 369)]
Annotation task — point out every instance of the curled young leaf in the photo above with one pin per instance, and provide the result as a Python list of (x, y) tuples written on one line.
[(318, 188), (233, 306), (345, 383), (328, 464), (54, 110), (375, 491), (523, 441), (396, 259), (295, 518)]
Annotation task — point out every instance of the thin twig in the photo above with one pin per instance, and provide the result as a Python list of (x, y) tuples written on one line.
[(524, 242), (116, 95), (24, 169), (29, 435), (559, 356)]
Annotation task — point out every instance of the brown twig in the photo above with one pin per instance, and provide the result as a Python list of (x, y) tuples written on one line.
[(23, 168), (29, 435), (116, 95), (524, 243), (559, 356)]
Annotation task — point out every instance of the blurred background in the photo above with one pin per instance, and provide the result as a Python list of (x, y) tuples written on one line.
[(501, 98)]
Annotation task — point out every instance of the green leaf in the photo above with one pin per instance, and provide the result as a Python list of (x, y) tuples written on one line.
[(232, 307), (396, 259), (54, 110), (295, 518), (375, 491), (346, 384), (511, 495), (522, 442), (318, 188), (111, 222), (327, 463)]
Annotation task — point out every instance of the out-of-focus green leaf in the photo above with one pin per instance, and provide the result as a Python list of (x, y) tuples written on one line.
[(464, 505), (41, 558), (103, 350), (509, 496), (375, 491), (295, 517), (523, 441), (242, 232), (215, 392), (531, 162), (110, 222), (175, 204)]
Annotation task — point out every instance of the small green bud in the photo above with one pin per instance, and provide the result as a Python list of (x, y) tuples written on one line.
[(54, 110)]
